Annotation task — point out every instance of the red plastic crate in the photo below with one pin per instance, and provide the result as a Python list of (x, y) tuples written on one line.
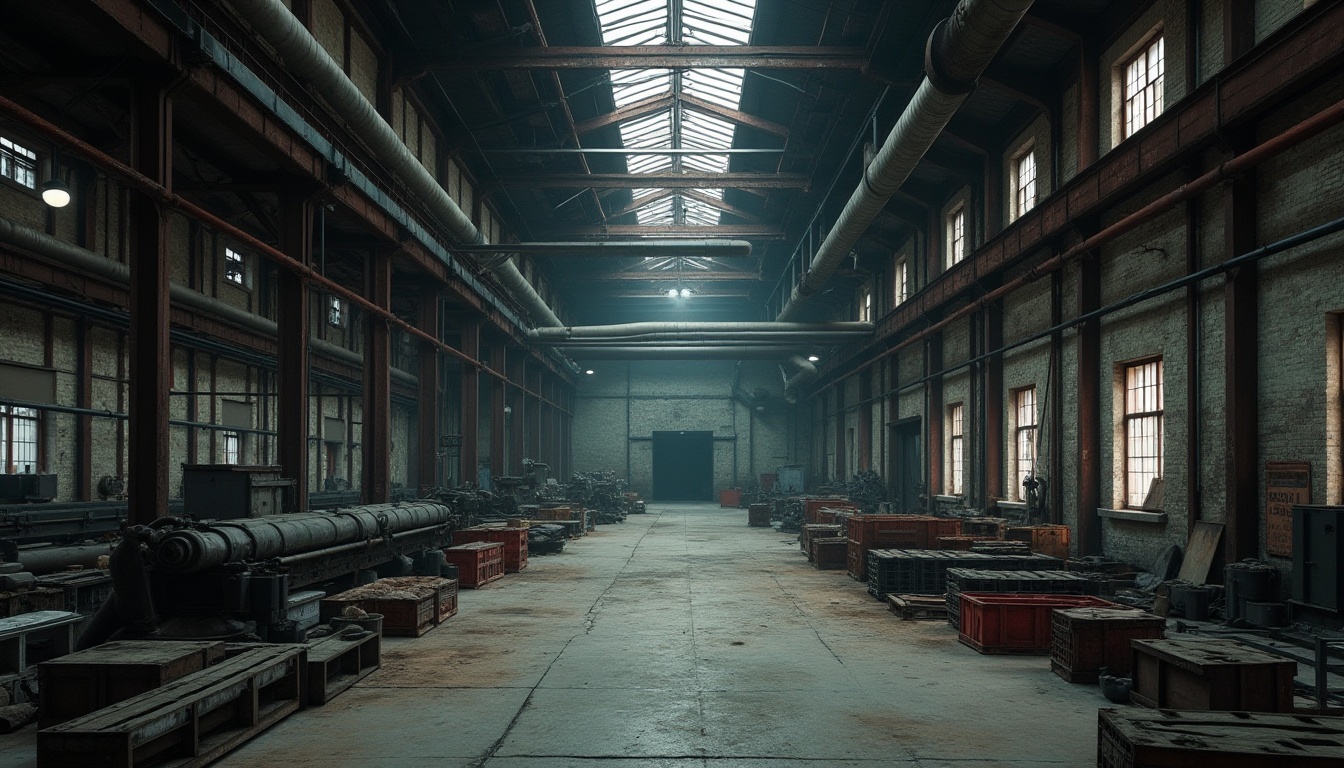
[(731, 498), (513, 539), (811, 508), (1015, 623), (478, 563)]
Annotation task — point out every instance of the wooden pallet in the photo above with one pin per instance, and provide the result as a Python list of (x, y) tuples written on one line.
[(84, 682), (917, 607), (187, 723), (338, 661)]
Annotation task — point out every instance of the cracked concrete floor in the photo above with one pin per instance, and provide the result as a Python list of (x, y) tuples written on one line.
[(684, 638)]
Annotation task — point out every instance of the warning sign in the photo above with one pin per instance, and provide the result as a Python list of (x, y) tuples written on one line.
[(1287, 483)]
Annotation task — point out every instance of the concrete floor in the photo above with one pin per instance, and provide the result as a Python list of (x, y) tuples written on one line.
[(683, 638)]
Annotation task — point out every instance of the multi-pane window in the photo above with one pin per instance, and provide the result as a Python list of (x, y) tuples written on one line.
[(1143, 87), (336, 311), (235, 270), (1024, 183), (18, 163), (956, 236), (1143, 429), (956, 435), (18, 439), (1024, 404), (232, 447), (866, 306), (902, 280)]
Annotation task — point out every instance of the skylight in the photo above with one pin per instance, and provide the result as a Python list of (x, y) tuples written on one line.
[(697, 22)]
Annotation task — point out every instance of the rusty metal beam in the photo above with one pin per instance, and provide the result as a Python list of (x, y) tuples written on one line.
[(732, 115), (704, 277), (655, 57), (428, 396), (469, 413), (292, 299), (150, 355), (498, 397), (699, 180), (1089, 407), (376, 451), (630, 111), (640, 202), (714, 202)]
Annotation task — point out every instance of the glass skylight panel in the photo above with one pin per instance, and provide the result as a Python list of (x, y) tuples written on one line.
[(697, 22)]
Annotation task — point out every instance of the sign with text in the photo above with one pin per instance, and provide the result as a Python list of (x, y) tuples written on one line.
[(1287, 483)]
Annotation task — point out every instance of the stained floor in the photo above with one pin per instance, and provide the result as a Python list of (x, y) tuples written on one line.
[(684, 638)]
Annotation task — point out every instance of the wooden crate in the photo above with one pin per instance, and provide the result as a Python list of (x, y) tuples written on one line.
[(829, 554), (992, 527), (758, 515), (89, 680), (811, 508), (812, 531), (513, 539), (1083, 640), (994, 622), (340, 660), (31, 601), (410, 605), (1222, 675), (187, 723), (478, 563), (1052, 540), (960, 543), (54, 632), (1145, 738)]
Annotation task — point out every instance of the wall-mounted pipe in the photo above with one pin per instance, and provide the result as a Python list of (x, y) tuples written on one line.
[(956, 54), (306, 59), (46, 246)]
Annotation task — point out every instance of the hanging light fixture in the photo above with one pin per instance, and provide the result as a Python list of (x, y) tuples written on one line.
[(672, 293), (54, 191), (685, 293)]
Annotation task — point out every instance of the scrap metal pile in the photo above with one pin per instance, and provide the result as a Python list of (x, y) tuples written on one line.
[(602, 492), (866, 490)]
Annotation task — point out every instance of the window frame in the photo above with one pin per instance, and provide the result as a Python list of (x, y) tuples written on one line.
[(1024, 435), (1132, 497), (1028, 152), (9, 415), (11, 156), (902, 280), (956, 235), (336, 312), (234, 452), (232, 257), (866, 304), (1154, 88), (956, 449)]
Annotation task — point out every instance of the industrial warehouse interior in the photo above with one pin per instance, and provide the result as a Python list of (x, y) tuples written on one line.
[(716, 383)]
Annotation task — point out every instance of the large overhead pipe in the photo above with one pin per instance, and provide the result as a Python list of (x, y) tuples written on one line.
[(307, 60), (687, 352), (695, 331), (956, 54), (48, 247), (709, 249)]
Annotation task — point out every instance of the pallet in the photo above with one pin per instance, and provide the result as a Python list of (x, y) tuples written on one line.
[(338, 661), (75, 685), (917, 607), (187, 723), (1138, 738)]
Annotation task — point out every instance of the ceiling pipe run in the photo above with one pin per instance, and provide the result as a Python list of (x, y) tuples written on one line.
[(691, 352), (48, 247), (663, 249), (957, 53), (630, 330), (306, 59)]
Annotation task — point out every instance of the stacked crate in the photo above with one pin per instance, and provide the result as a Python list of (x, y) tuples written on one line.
[(818, 531), (813, 507), (1140, 738), (1210, 674), (410, 605), (868, 532), (989, 527), (478, 563), (829, 554), (513, 539), (1052, 540), (992, 622), (921, 572), (1049, 582), (1084, 640)]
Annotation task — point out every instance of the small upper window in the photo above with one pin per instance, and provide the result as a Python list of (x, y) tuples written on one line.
[(232, 447), (1024, 183), (235, 270), (866, 306), (18, 163), (1143, 87), (956, 236), (902, 280), (336, 312)]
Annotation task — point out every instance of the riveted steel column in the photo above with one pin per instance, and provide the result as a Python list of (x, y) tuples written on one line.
[(376, 452)]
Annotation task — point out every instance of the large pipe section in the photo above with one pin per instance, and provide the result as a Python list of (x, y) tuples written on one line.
[(697, 352), (206, 546), (305, 58), (637, 330), (46, 246), (661, 249), (956, 54)]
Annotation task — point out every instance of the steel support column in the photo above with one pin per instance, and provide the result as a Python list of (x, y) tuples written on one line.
[(841, 465), (933, 418), (471, 404), (84, 422), (1089, 407), (1241, 356), (532, 376), (427, 400), (150, 353), (518, 405), (292, 364), (1089, 114), (498, 460), (376, 453), (992, 394), (865, 431)]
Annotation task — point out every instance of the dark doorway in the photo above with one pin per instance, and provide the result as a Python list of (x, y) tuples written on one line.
[(907, 464), (683, 466)]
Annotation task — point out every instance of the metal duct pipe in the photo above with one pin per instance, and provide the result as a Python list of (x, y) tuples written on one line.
[(806, 372), (956, 54), (681, 353), (651, 248), (635, 330), (42, 560), (305, 58), (204, 547), (42, 244), (802, 339)]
